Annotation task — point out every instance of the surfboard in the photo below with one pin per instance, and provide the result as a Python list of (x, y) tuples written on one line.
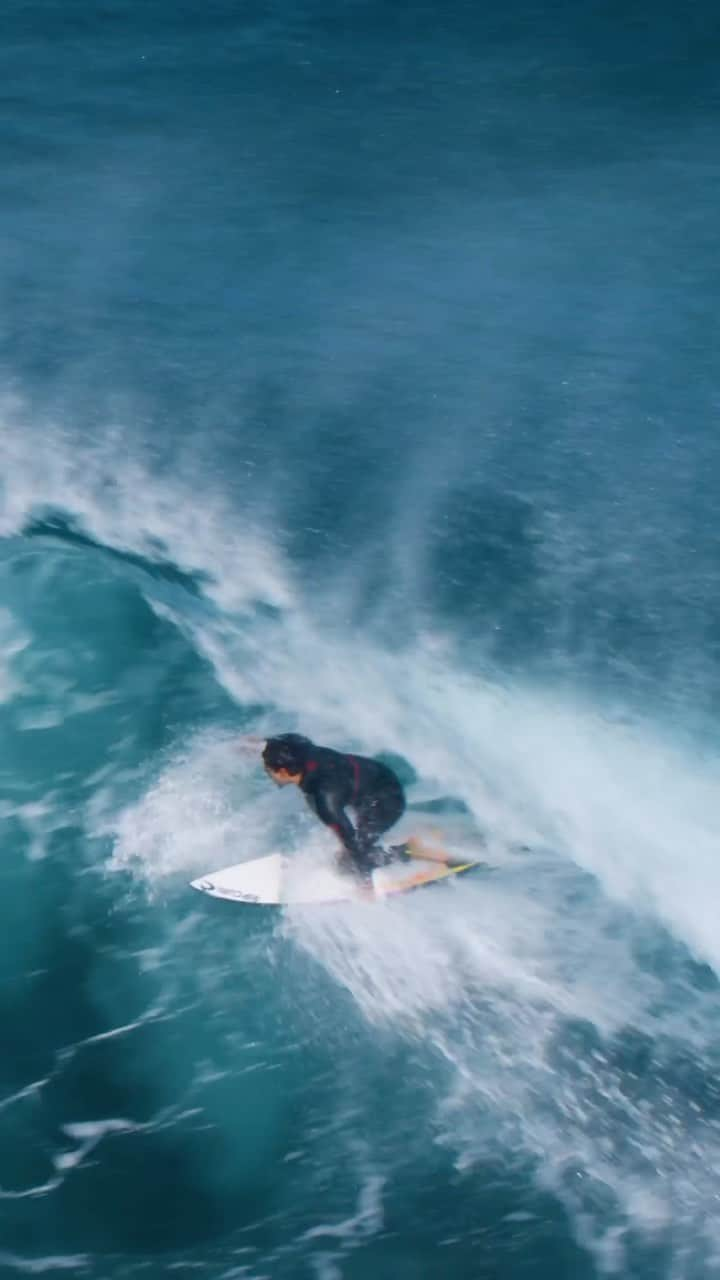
[(275, 881)]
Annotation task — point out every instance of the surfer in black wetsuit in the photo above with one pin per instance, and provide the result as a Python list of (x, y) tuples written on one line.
[(333, 782)]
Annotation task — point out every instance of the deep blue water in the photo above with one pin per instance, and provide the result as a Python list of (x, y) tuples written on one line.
[(358, 374)]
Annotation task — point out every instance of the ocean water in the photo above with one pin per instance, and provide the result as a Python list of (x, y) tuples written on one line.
[(358, 375)]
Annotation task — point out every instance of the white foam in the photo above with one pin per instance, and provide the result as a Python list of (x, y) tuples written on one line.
[(117, 499), (88, 1134), (75, 1262), (366, 1221), (194, 816)]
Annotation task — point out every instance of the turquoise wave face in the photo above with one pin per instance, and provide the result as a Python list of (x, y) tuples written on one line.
[(357, 377), (524, 1065)]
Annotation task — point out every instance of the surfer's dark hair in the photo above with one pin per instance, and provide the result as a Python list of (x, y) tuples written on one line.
[(287, 751)]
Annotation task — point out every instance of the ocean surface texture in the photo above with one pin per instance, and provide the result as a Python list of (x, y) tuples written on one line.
[(359, 376)]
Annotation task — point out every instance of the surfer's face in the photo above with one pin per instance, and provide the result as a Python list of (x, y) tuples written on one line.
[(281, 777)]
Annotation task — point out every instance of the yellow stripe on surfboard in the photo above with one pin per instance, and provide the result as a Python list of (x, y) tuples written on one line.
[(426, 877)]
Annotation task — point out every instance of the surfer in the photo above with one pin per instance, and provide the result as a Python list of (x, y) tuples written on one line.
[(332, 782)]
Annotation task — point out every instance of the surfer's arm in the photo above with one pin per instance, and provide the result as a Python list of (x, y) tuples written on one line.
[(416, 848), (330, 811)]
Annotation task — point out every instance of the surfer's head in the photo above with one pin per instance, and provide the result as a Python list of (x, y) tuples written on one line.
[(284, 757)]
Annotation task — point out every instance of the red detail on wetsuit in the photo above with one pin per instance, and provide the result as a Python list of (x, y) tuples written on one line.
[(310, 766)]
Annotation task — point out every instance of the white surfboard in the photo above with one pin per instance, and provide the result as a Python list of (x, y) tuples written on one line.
[(278, 881)]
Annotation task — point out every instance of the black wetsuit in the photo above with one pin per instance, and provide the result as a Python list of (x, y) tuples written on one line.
[(332, 782)]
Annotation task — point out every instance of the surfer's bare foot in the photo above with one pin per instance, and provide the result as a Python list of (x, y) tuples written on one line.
[(418, 849)]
